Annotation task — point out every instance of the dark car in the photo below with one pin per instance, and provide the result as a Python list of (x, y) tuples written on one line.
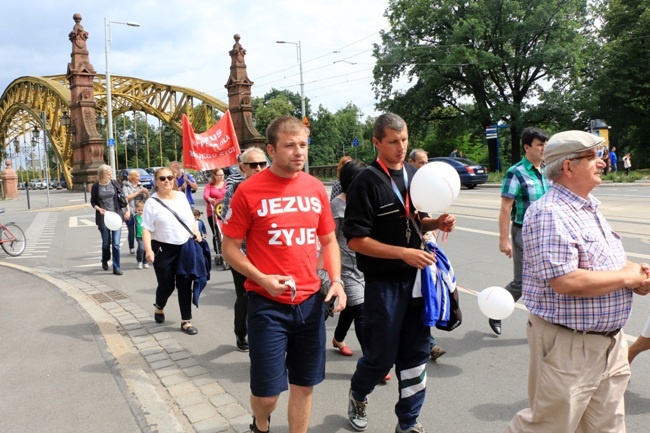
[(146, 179), (471, 173)]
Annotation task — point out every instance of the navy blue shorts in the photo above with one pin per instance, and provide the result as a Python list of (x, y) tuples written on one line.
[(287, 344)]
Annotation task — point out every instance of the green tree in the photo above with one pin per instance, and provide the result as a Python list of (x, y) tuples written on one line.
[(621, 85), (326, 139), (265, 110), (503, 57)]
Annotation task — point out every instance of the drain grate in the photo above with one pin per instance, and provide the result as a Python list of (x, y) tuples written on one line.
[(112, 295), (116, 295)]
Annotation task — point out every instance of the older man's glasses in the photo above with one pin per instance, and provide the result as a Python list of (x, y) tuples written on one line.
[(600, 151), (254, 165), (164, 178)]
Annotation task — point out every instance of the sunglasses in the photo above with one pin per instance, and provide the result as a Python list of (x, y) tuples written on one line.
[(254, 165), (600, 151), (164, 178)]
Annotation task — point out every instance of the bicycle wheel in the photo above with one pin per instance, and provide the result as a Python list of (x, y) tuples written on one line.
[(12, 239)]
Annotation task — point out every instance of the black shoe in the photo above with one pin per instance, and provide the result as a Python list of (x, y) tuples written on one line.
[(254, 428), (187, 328), (105, 266), (242, 344), (158, 317), (117, 272), (495, 325)]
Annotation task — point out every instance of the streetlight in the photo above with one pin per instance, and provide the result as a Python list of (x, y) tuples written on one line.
[(109, 104), (302, 89)]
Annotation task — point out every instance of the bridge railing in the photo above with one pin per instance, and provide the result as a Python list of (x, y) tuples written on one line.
[(323, 172)]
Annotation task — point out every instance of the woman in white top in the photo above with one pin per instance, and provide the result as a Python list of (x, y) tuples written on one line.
[(163, 236)]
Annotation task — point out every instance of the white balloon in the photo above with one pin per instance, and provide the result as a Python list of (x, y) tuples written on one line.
[(112, 220), (434, 187), (496, 303)]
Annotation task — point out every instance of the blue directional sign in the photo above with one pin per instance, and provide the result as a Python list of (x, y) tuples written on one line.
[(355, 142), (111, 142)]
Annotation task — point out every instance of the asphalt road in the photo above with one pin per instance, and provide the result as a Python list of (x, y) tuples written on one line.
[(476, 387)]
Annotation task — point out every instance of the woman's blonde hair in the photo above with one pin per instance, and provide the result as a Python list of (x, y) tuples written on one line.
[(133, 174), (102, 172)]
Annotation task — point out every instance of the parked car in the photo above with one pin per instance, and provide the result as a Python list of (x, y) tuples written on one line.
[(36, 184), (471, 173), (152, 170), (146, 179), (21, 185)]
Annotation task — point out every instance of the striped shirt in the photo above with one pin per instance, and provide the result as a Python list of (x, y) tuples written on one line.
[(562, 233), (525, 184)]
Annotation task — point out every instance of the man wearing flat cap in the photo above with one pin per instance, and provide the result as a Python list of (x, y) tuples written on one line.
[(578, 287)]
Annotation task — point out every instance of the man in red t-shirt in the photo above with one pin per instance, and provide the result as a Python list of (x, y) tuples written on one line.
[(284, 213)]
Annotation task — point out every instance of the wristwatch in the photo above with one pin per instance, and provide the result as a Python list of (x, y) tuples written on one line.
[(340, 281)]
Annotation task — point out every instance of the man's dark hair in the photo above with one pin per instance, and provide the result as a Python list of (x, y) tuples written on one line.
[(387, 121), (349, 171), (284, 124), (530, 134)]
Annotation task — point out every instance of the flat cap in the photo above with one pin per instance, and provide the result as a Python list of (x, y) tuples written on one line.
[(568, 142)]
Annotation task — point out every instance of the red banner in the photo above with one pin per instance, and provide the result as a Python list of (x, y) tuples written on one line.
[(215, 148)]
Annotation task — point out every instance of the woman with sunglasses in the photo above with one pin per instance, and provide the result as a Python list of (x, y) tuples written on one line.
[(213, 194), (164, 236), (103, 198)]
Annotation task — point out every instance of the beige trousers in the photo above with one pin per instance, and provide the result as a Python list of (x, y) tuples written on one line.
[(576, 382)]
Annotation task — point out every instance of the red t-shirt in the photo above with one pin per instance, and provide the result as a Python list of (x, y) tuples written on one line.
[(281, 220)]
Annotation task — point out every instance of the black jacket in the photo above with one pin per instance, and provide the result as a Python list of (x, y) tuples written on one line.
[(95, 201), (373, 210)]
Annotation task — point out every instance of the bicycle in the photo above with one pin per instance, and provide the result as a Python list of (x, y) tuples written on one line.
[(12, 238)]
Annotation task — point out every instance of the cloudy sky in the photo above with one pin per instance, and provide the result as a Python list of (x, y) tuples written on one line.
[(186, 43)]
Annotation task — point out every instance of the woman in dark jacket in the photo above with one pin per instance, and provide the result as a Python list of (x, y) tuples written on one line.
[(103, 198)]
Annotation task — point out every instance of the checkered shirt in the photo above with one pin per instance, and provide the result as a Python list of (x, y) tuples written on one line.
[(562, 233), (525, 184)]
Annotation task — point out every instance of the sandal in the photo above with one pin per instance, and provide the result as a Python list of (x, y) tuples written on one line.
[(187, 328), (158, 317)]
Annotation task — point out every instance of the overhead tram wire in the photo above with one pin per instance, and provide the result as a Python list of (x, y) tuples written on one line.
[(305, 62)]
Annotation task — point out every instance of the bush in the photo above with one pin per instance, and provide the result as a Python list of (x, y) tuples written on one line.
[(620, 176)]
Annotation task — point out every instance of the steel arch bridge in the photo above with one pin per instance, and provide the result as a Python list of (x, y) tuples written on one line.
[(26, 98)]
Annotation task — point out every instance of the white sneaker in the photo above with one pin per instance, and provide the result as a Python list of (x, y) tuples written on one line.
[(139, 265), (357, 413), (146, 265), (131, 251)]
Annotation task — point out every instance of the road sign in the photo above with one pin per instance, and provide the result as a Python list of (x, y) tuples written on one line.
[(355, 142), (491, 132), (111, 142)]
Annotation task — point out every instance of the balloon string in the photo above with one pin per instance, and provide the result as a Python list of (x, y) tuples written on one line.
[(445, 236)]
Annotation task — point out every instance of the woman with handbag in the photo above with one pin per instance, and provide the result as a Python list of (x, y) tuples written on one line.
[(166, 223), (106, 195)]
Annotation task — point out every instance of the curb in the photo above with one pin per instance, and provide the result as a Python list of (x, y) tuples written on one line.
[(174, 392)]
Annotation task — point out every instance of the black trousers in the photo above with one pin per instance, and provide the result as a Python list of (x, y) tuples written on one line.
[(241, 304), (165, 264)]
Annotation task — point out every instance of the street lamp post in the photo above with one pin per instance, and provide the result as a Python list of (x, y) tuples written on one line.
[(109, 102), (302, 88)]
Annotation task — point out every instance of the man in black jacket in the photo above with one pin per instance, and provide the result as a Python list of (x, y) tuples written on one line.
[(383, 227)]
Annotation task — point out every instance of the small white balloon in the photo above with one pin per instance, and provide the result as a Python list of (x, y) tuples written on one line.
[(433, 187), (112, 220), (496, 303)]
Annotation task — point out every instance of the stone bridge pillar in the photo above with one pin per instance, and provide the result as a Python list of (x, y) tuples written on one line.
[(87, 144), (239, 99)]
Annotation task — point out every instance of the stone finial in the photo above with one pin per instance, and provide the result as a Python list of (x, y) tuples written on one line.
[(238, 52), (78, 35)]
